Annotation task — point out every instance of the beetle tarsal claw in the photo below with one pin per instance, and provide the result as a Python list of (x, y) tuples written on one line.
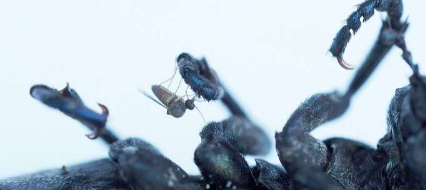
[(344, 64), (95, 134), (105, 111)]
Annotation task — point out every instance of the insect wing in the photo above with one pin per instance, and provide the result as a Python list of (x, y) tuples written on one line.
[(152, 98)]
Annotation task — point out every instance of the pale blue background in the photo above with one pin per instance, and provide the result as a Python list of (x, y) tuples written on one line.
[(271, 54)]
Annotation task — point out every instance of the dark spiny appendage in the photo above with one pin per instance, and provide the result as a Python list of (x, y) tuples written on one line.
[(68, 102), (189, 68), (366, 11)]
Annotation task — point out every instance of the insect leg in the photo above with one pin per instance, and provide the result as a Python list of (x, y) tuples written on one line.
[(229, 101), (222, 165), (178, 86), (144, 167), (171, 78), (68, 102), (202, 116), (186, 92), (365, 10), (407, 119), (304, 156), (387, 38)]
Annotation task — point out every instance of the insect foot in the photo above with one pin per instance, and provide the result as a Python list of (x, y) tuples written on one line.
[(68, 102), (365, 10)]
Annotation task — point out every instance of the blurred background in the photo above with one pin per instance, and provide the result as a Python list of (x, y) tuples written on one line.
[(272, 55)]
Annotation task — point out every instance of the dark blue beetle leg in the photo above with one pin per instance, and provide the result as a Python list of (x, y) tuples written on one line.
[(99, 130), (189, 69), (229, 101), (68, 102), (366, 11)]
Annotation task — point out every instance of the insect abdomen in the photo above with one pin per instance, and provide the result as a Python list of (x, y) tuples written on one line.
[(163, 94)]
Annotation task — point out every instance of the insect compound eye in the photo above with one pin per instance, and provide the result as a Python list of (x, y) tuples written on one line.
[(190, 104)]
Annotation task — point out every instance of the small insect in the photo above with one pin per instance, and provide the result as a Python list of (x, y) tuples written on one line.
[(175, 105)]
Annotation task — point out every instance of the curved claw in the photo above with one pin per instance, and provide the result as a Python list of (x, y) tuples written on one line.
[(95, 134), (344, 64), (105, 111)]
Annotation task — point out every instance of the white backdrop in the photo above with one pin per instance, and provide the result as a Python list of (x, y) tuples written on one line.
[(271, 55)]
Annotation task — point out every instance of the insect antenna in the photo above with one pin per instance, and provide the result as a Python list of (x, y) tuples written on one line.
[(193, 95), (152, 98)]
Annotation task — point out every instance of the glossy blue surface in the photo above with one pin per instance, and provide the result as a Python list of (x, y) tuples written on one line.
[(202, 86), (70, 106)]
